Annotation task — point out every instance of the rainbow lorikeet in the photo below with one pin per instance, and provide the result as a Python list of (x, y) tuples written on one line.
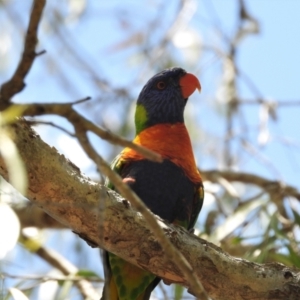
[(172, 189)]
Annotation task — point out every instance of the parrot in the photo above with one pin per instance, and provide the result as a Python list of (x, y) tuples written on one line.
[(171, 189)]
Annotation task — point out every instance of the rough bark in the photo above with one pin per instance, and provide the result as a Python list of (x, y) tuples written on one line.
[(105, 219)]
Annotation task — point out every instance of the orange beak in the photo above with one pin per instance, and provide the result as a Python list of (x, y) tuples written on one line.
[(189, 83)]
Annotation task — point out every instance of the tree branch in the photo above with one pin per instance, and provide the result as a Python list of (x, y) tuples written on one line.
[(57, 186), (16, 83), (270, 186)]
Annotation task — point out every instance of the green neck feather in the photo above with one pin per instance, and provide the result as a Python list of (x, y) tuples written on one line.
[(141, 118)]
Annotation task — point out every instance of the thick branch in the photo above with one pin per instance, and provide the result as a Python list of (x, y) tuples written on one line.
[(57, 186)]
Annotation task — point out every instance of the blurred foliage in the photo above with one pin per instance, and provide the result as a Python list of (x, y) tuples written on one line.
[(107, 50)]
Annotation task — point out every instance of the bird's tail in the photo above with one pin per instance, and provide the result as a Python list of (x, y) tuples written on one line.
[(126, 281)]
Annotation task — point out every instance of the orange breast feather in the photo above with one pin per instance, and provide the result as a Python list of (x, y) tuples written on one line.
[(172, 141)]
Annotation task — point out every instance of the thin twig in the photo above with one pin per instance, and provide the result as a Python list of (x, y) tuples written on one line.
[(51, 278), (277, 103), (40, 122), (267, 185), (81, 100), (254, 152)]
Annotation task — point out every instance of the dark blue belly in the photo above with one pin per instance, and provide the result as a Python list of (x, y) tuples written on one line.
[(163, 187)]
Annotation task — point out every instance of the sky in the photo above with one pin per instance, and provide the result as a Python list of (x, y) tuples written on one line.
[(270, 59)]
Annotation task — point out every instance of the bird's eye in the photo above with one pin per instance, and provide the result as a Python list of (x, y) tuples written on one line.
[(161, 85)]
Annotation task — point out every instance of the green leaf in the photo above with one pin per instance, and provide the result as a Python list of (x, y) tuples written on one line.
[(65, 290), (236, 240), (87, 274), (9, 115), (297, 217), (294, 257), (178, 292), (282, 258), (274, 224)]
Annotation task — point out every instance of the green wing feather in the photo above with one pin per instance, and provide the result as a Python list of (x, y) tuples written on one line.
[(116, 166)]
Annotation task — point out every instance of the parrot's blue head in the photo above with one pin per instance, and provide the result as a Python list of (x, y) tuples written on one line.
[(163, 98)]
